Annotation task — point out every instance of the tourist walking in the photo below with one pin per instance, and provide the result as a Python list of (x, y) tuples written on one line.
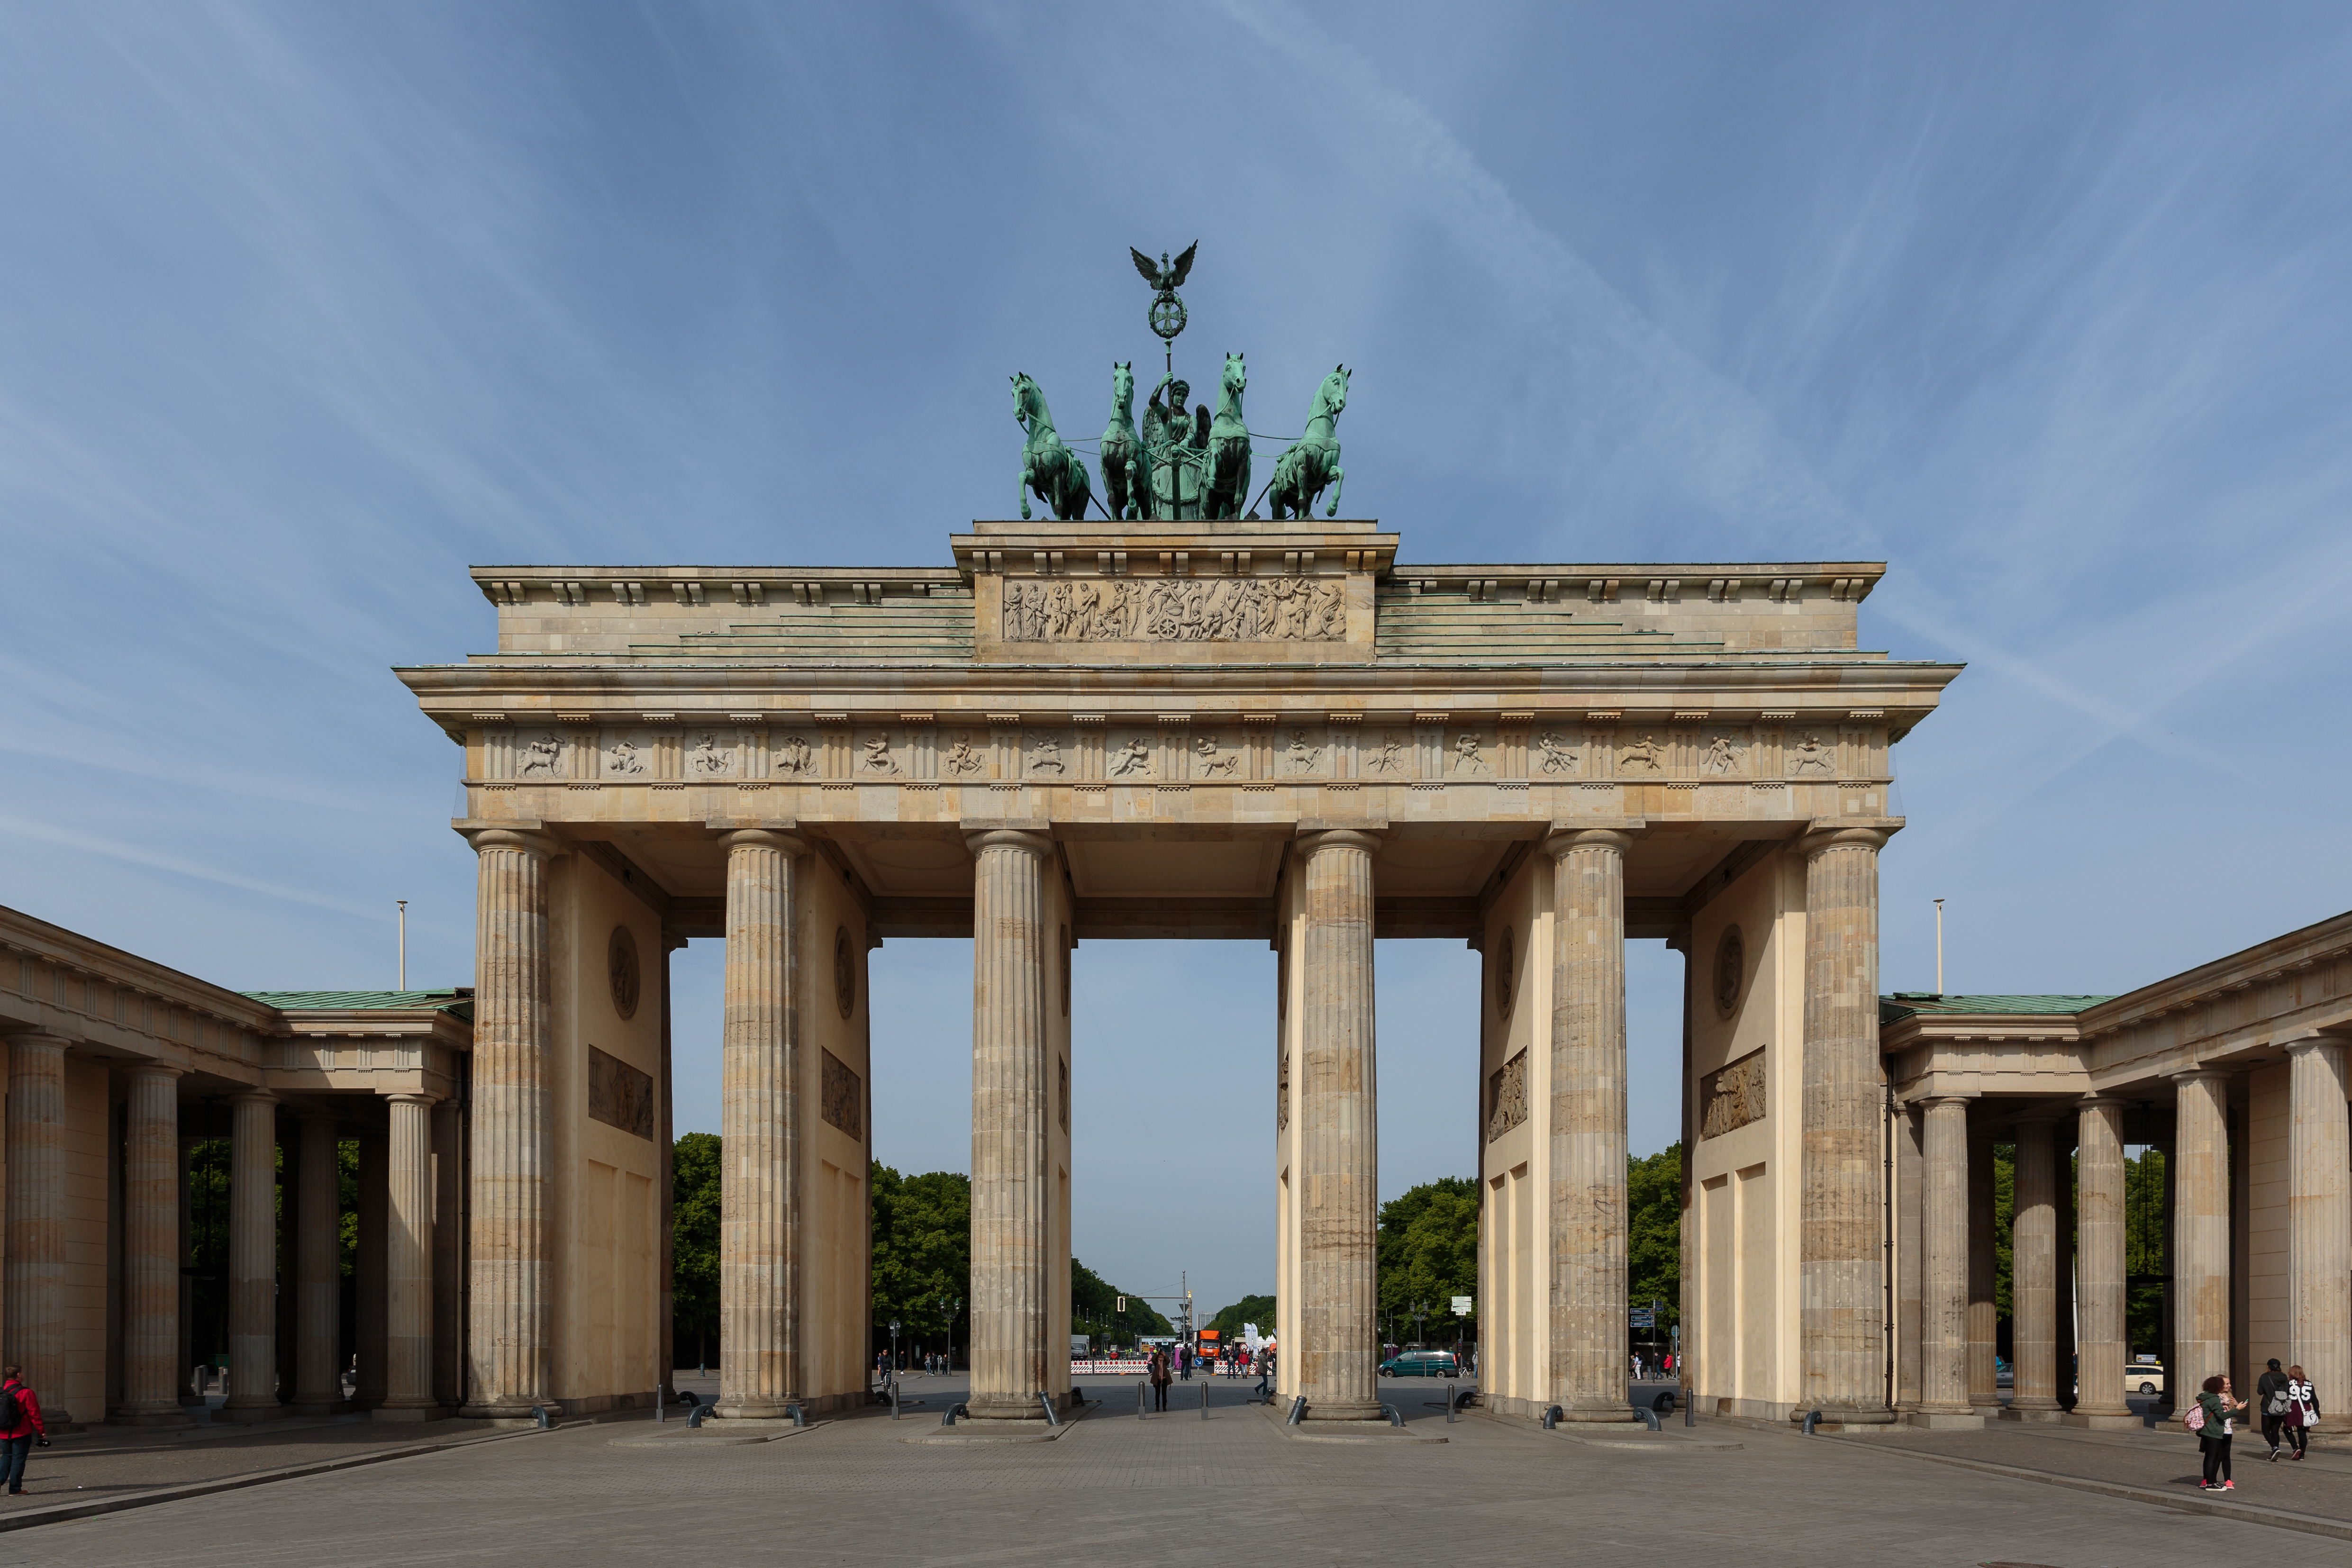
[(1159, 1379), (2209, 1418), (2269, 1403), (21, 1427), (2301, 1410)]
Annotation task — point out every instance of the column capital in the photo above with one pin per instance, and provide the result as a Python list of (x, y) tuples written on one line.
[(521, 840), (1365, 839), (1035, 840), (1823, 838), (1563, 841), (765, 839)]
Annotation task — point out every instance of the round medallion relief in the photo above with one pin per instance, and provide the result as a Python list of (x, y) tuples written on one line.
[(621, 966), (1505, 971), (844, 971), (1730, 969)]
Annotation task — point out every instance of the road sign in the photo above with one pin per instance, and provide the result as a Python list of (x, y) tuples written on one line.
[(1643, 1318), (1461, 1306)]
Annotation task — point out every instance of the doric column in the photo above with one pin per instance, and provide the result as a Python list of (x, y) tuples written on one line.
[(2200, 1229), (1587, 1125), (319, 1276), (1944, 1307), (1013, 1317), (370, 1279), (2099, 1268), (151, 1261), (32, 1314), (448, 1301), (2319, 1219), (1910, 1256), (1339, 1150), (760, 1182), (253, 1259), (408, 1260), (2034, 1253), (1840, 1307), (1984, 1270), (506, 1349)]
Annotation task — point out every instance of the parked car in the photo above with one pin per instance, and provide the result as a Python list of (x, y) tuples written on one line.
[(1422, 1363)]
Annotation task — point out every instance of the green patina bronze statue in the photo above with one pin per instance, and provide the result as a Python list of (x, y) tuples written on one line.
[(1047, 467), (1313, 460), (1125, 470), (1225, 481)]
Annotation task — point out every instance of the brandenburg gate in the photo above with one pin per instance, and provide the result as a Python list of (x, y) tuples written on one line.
[(1087, 730)]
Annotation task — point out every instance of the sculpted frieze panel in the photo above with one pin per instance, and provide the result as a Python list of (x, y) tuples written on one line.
[(1176, 610)]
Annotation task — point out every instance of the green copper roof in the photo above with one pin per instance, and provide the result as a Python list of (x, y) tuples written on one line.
[(1903, 1004), (458, 1004)]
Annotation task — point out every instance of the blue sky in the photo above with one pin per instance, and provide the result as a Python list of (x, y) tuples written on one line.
[(305, 308)]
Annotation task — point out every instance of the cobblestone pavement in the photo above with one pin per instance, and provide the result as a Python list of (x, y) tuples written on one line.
[(1171, 1489)]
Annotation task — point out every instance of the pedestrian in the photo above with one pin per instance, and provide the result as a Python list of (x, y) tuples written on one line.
[(21, 1427), (2269, 1403), (2301, 1409), (1160, 1380), (2209, 1418)]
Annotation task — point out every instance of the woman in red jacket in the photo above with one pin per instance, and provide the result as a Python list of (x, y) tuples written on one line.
[(17, 1436)]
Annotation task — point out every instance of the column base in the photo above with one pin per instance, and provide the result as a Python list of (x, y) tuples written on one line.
[(2103, 1420), (250, 1415), (1946, 1421)]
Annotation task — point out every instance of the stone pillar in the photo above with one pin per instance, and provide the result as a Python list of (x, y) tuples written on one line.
[(1944, 1308), (151, 1259), (1840, 1307), (369, 1268), (1339, 1150), (1587, 1125), (319, 1277), (33, 1309), (1910, 1256), (408, 1261), (1013, 1321), (2200, 1229), (2319, 1219), (506, 1350), (2099, 1269), (253, 1259), (448, 1373), (1984, 1275), (2033, 1287), (760, 1183)]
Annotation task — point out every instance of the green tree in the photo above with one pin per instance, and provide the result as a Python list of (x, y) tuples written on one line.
[(1258, 1310), (693, 1245), (1653, 1232), (1426, 1251), (922, 1249)]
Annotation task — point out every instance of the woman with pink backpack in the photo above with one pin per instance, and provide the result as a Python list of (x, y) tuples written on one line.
[(2209, 1418)]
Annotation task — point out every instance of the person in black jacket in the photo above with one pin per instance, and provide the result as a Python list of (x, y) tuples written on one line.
[(2270, 1402)]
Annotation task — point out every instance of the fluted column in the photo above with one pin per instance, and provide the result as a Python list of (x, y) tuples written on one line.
[(2319, 1219), (1339, 1150), (448, 1302), (33, 1308), (253, 1259), (1984, 1269), (2200, 1229), (506, 1350), (1944, 1307), (760, 1183), (2033, 1289), (408, 1260), (2099, 1268), (1013, 1317), (319, 1276), (151, 1252), (1587, 1125), (1841, 1308)]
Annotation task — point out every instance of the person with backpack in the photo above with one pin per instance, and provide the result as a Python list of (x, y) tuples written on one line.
[(2209, 1418), (21, 1427), (2301, 1409), (2270, 1403)]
